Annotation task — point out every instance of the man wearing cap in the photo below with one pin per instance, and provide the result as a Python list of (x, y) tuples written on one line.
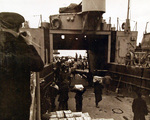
[(17, 59)]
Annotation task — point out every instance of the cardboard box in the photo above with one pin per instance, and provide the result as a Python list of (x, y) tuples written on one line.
[(98, 78)]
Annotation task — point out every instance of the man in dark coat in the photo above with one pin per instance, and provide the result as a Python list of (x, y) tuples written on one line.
[(98, 87), (78, 98), (63, 95), (139, 108), (17, 59)]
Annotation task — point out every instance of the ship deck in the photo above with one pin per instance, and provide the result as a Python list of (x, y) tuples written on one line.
[(113, 105)]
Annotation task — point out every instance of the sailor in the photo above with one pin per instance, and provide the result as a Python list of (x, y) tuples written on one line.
[(17, 59), (139, 108)]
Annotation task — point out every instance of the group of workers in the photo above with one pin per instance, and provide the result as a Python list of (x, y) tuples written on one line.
[(62, 79)]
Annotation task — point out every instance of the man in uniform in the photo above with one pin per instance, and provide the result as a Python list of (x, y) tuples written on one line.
[(17, 59)]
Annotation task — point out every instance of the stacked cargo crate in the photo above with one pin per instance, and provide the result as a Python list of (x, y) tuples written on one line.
[(69, 115)]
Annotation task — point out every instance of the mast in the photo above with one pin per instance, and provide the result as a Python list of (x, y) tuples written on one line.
[(128, 9), (146, 27), (41, 19), (127, 26)]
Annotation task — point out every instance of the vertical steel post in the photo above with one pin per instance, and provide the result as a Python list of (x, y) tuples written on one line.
[(109, 48), (51, 48), (117, 23), (38, 97)]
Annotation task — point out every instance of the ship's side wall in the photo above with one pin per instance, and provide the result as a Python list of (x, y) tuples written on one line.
[(134, 76)]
